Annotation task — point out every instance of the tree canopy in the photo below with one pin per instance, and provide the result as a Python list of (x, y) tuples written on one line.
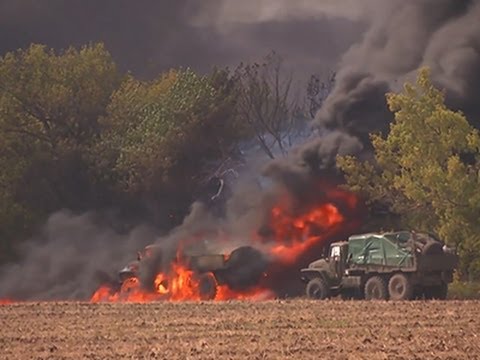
[(76, 133), (49, 110), (158, 136), (426, 169)]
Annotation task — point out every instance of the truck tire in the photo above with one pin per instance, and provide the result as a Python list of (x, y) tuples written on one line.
[(376, 289), (400, 287), (207, 286), (244, 268), (432, 248), (318, 289)]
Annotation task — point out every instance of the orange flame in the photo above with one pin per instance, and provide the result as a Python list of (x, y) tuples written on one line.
[(293, 235), (257, 293)]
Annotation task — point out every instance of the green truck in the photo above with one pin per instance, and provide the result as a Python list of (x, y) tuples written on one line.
[(402, 265)]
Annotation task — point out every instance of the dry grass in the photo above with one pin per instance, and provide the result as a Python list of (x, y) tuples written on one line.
[(296, 329)]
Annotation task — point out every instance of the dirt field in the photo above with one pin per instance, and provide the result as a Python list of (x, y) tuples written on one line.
[(294, 329)]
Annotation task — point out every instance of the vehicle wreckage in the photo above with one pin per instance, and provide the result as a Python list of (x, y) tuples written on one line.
[(239, 270)]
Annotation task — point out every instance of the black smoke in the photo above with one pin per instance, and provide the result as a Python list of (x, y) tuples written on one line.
[(150, 36), (70, 257), (442, 34)]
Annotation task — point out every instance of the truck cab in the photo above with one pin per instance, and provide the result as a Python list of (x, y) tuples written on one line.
[(332, 266)]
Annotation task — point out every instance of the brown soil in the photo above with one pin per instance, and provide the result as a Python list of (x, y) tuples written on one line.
[(296, 329)]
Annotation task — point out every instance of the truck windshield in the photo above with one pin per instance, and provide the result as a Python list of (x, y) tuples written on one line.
[(335, 251)]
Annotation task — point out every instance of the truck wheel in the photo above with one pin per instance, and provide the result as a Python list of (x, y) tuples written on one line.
[(432, 248), (207, 286), (318, 289), (244, 268), (400, 288), (376, 289)]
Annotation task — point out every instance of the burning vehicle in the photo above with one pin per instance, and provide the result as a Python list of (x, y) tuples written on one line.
[(258, 263), (238, 270)]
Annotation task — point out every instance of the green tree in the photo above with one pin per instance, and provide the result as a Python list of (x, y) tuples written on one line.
[(160, 135), (426, 170), (49, 109)]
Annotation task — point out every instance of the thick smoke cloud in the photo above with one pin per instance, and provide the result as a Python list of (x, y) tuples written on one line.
[(454, 56), (229, 12), (149, 36), (443, 34), (70, 258)]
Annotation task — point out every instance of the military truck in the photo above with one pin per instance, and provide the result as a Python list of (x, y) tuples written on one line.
[(402, 265), (240, 269)]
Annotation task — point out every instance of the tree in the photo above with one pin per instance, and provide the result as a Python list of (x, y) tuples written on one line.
[(55, 99), (318, 89), (267, 105), (426, 169), (159, 135), (49, 109)]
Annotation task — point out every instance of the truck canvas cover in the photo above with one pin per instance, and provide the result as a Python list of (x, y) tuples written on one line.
[(385, 249)]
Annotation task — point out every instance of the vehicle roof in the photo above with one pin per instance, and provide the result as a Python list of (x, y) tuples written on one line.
[(152, 246), (377, 234), (339, 243)]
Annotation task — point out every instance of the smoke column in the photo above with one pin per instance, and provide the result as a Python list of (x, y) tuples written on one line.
[(444, 35)]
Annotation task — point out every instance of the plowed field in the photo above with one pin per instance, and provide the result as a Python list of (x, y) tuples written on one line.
[(296, 329)]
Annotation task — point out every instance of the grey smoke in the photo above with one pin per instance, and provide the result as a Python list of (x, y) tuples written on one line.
[(150, 36), (71, 257), (231, 12), (356, 106), (443, 34)]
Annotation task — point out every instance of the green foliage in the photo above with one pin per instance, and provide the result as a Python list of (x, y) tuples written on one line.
[(462, 290), (421, 171), (49, 109), (55, 99), (162, 132), (75, 133)]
